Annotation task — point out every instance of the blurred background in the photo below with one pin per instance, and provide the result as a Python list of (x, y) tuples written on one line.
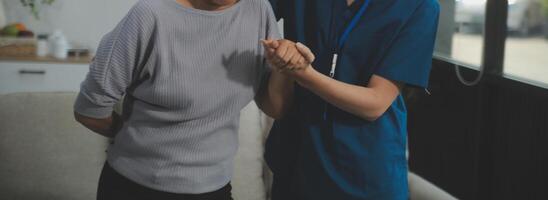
[(482, 130), (84, 22), (479, 132), (46, 45), (462, 29)]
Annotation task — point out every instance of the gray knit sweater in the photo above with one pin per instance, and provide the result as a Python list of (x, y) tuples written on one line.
[(185, 74)]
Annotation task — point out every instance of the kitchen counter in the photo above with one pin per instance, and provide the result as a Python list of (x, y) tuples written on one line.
[(36, 74)]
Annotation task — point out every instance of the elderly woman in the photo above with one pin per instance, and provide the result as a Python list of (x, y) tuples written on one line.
[(186, 69)]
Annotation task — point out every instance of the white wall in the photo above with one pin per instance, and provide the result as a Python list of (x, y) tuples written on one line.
[(83, 21)]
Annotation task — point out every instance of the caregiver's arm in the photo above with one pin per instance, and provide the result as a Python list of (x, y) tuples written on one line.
[(368, 102)]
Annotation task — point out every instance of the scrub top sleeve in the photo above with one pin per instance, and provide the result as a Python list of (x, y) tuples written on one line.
[(272, 29), (409, 57), (119, 54)]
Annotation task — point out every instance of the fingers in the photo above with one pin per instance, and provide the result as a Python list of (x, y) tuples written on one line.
[(306, 52), (268, 45), (269, 51), (277, 62), (274, 44), (281, 51), (301, 62), (294, 60), (292, 53)]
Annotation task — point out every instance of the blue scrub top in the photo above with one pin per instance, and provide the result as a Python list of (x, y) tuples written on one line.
[(321, 152)]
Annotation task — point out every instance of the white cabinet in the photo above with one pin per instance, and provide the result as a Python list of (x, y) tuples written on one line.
[(41, 77)]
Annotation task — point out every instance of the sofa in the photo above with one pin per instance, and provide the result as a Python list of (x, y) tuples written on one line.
[(46, 155)]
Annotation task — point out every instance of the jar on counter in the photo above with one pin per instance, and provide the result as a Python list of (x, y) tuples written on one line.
[(60, 45), (42, 49)]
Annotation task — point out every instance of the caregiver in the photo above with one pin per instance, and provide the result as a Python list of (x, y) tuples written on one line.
[(345, 135)]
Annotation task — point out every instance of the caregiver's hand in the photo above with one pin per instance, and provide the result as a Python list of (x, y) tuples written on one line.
[(285, 56), (297, 71)]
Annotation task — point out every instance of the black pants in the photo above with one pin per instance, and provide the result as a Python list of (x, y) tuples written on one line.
[(113, 186)]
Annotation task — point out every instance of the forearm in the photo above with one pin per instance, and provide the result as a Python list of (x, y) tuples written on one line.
[(107, 127), (361, 101), (277, 96)]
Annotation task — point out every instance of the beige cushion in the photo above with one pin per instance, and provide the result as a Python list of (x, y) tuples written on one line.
[(44, 153), (421, 189), (248, 183)]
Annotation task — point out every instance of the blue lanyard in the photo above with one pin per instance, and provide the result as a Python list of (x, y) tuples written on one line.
[(343, 39), (353, 24), (345, 35)]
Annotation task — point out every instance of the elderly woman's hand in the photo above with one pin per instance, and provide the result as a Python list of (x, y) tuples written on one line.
[(285, 55)]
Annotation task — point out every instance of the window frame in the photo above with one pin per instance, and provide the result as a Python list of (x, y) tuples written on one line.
[(494, 45)]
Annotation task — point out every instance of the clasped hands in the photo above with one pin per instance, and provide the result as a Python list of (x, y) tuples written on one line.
[(289, 58)]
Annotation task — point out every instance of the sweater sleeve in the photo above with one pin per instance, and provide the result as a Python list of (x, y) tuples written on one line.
[(120, 55), (272, 32), (272, 29)]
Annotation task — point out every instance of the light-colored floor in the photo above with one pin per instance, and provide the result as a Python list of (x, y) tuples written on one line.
[(525, 57)]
